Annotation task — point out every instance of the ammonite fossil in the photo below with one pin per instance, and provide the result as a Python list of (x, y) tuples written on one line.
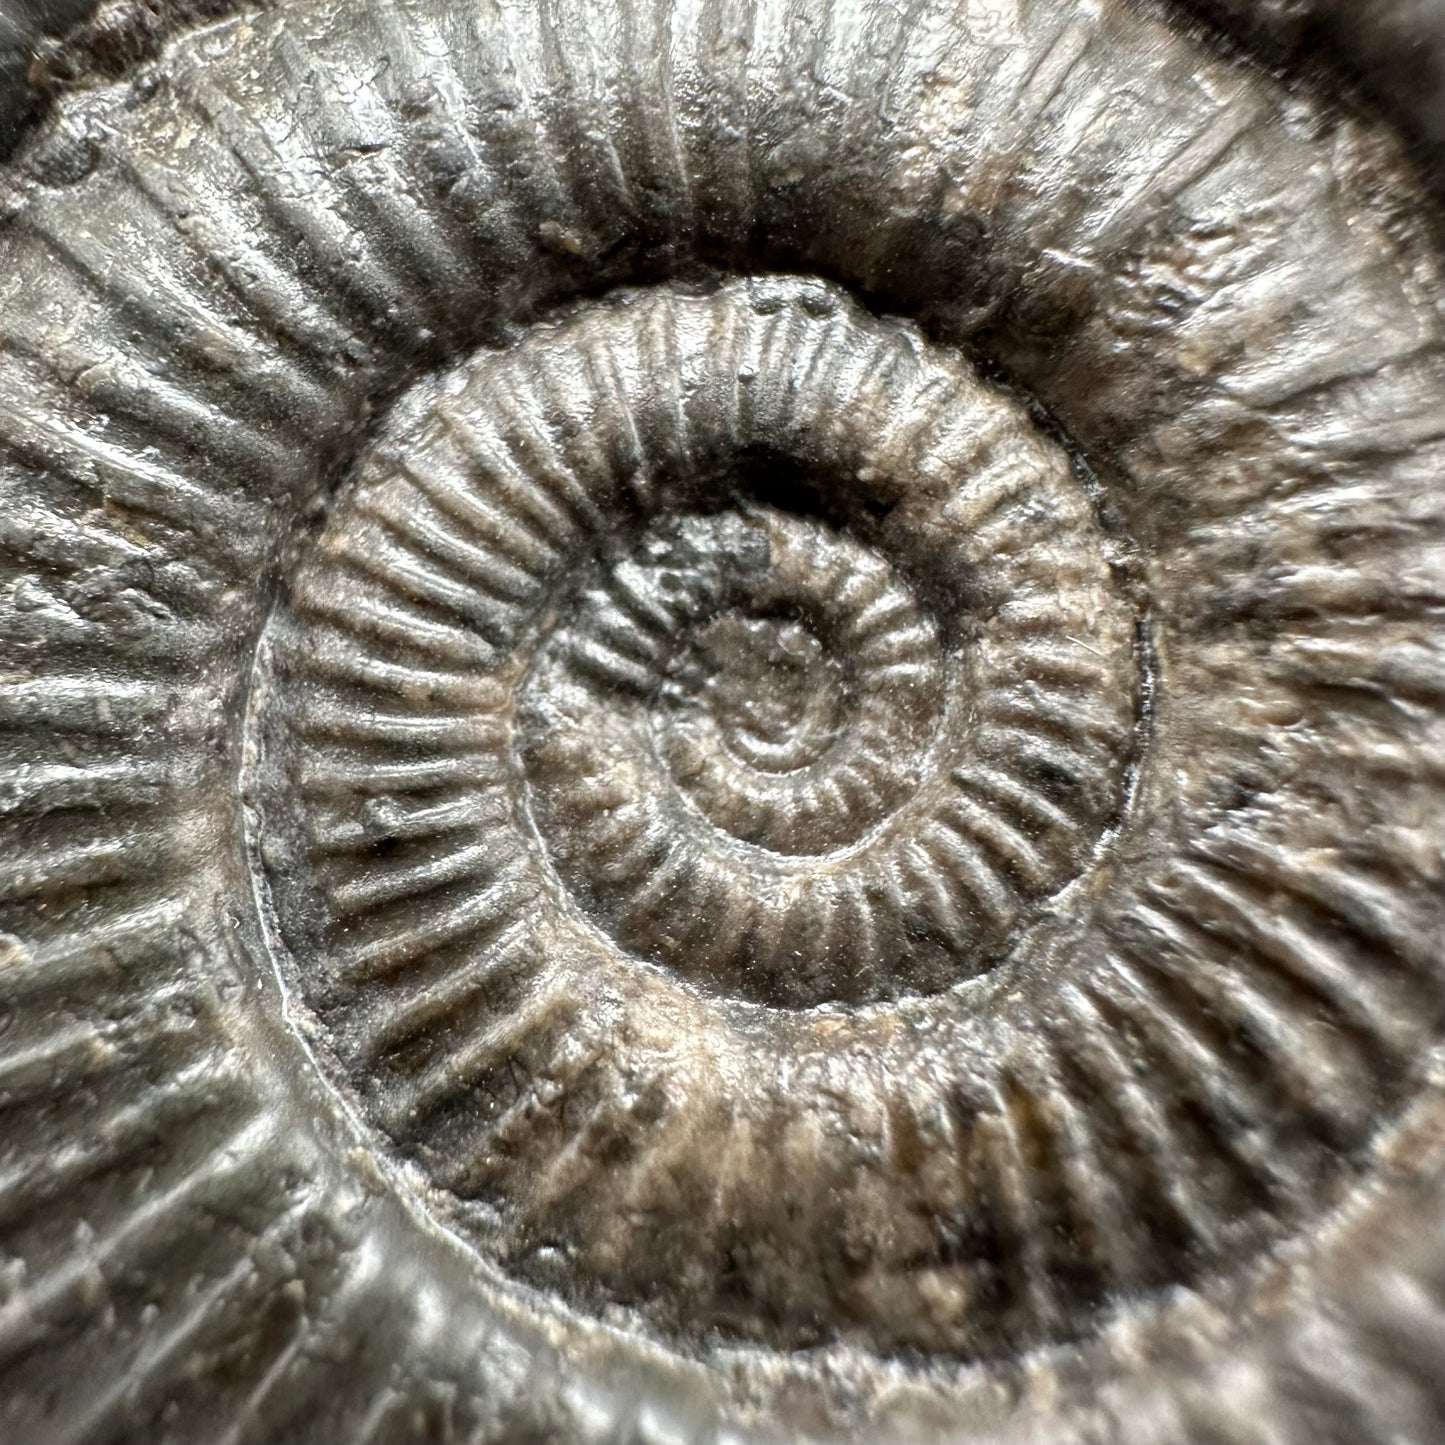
[(723, 720)]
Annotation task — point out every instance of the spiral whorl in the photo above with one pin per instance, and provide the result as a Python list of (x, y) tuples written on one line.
[(528, 699), (722, 719)]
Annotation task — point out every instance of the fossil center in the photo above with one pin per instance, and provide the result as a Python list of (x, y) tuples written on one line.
[(788, 693)]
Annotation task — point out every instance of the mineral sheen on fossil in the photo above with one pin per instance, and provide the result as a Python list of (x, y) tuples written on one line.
[(721, 721)]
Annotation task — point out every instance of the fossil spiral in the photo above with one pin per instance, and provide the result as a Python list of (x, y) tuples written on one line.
[(722, 720)]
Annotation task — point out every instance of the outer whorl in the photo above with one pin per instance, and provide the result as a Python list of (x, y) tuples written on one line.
[(720, 720)]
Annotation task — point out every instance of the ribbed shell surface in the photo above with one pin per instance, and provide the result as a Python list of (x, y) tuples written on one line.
[(719, 720)]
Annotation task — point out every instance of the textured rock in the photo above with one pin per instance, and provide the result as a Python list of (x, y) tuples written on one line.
[(720, 720), (1391, 52)]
